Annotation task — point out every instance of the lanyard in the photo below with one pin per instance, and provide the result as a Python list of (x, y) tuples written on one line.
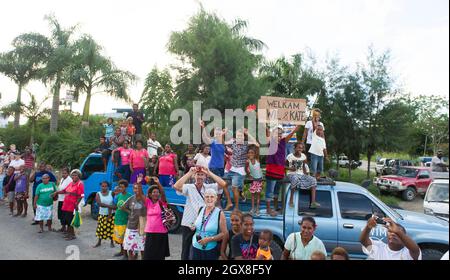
[(205, 221)]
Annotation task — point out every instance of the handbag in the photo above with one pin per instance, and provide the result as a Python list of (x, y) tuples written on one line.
[(167, 215)]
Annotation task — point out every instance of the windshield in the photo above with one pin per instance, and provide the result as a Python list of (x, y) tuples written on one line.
[(437, 193), (391, 211), (407, 172)]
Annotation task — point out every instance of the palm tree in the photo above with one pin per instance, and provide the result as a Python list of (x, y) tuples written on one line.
[(33, 111), (57, 63), (92, 70), (252, 44), (24, 63)]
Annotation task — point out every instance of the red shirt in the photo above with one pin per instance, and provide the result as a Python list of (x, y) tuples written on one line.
[(29, 161), (73, 192)]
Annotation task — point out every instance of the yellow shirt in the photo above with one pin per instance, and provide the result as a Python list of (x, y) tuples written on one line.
[(266, 254)]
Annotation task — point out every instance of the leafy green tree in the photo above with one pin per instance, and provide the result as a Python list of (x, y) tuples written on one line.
[(158, 99), (33, 111), (91, 70), (58, 62), (24, 63), (217, 63)]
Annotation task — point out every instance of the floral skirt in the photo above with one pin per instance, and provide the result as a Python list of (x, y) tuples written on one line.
[(133, 241), (105, 227), (256, 186), (44, 213)]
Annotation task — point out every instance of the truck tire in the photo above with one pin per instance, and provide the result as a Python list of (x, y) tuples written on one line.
[(276, 247), (178, 216), (431, 254), (409, 194), (94, 210)]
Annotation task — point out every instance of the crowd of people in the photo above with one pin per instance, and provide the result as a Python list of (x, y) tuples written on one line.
[(139, 222)]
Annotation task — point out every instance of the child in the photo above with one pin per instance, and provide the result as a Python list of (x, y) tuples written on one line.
[(203, 158), (131, 130), (109, 128), (318, 151), (123, 128), (255, 172), (297, 175), (318, 256), (264, 253), (153, 167)]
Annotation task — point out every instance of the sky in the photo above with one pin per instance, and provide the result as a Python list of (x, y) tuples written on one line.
[(134, 33)]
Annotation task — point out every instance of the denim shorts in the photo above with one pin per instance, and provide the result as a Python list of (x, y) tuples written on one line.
[(237, 180), (218, 171), (272, 189), (316, 164)]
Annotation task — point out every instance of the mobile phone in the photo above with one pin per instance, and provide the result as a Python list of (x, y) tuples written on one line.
[(380, 220)]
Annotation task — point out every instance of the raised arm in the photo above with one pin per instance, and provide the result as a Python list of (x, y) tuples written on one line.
[(205, 136), (365, 234), (251, 139), (222, 184), (289, 137), (412, 246), (183, 180), (161, 189)]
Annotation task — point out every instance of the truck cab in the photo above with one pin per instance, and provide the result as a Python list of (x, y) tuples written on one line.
[(93, 174)]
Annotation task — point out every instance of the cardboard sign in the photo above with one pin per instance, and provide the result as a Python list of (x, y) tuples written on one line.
[(282, 110)]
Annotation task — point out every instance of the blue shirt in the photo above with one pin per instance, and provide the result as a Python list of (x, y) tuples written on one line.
[(217, 155), (109, 130)]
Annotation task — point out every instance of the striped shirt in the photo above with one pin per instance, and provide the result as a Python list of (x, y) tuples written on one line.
[(287, 129)]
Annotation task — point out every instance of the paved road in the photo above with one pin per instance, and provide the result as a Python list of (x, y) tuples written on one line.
[(364, 165), (21, 241)]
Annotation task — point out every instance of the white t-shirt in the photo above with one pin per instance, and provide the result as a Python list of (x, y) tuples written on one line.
[(16, 164), (318, 145), (296, 162), (152, 147), (194, 201), (62, 186), (309, 127), (294, 244), (202, 160), (381, 251)]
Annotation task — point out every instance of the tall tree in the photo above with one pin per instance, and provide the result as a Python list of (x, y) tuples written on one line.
[(59, 60), (158, 98), (24, 63), (91, 70), (217, 63)]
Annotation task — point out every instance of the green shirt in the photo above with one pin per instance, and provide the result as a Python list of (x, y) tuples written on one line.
[(44, 192), (121, 218)]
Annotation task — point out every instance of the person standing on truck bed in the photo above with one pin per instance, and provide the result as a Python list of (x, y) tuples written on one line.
[(275, 168), (104, 149), (301, 245), (138, 161), (168, 167), (318, 152), (399, 246), (123, 171), (138, 120), (194, 201), (115, 142)]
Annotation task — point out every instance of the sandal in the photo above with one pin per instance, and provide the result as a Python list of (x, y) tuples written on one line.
[(228, 207)]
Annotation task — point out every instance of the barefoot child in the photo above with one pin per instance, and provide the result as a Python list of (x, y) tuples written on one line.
[(105, 226), (264, 253), (297, 174), (255, 172)]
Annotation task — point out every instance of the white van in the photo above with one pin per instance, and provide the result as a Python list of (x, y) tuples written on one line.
[(436, 199)]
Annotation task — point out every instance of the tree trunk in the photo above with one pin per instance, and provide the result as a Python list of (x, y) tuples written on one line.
[(18, 102), (55, 106), (33, 131), (87, 105), (369, 157)]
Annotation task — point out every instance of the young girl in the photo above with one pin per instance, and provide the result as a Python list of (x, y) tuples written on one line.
[(109, 129), (131, 130), (105, 226), (297, 174), (123, 128), (255, 172)]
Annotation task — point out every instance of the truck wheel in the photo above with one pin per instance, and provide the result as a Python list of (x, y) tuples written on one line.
[(178, 216), (276, 248), (431, 254), (94, 210), (409, 194)]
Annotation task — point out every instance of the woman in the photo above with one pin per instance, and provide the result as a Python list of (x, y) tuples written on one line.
[(65, 181), (22, 191), (134, 242), (43, 202), (138, 161), (105, 226), (157, 237), (74, 193), (301, 245), (121, 217), (168, 167), (123, 170), (210, 228), (236, 228)]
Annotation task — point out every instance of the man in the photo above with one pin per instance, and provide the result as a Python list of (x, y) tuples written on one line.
[(195, 200), (153, 146), (399, 246), (438, 164), (36, 178), (138, 120)]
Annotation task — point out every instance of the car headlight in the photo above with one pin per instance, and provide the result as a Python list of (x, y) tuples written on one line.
[(428, 211)]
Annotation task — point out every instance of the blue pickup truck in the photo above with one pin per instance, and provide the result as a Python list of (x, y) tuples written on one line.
[(344, 211), (93, 174)]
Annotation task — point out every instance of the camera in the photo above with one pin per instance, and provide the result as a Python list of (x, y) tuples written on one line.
[(198, 238), (379, 220)]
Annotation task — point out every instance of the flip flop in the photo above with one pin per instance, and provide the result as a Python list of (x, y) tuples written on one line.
[(41, 231), (228, 207)]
